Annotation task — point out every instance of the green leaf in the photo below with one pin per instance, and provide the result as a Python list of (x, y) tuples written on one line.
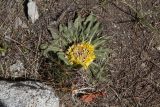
[(88, 24), (54, 49), (51, 48), (90, 18), (54, 32), (100, 52), (72, 31), (94, 64), (2, 49), (66, 34), (87, 30), (60, 28), (94, 30), (77, 22), (44, 46), (61, 56), (90, 27), (99, 42), (62, 42)]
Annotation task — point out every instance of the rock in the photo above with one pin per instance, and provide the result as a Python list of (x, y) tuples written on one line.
[(158, 47), (17, 69), (32, 10), (145, 56), (26, 94), (7, 35), (18, 22)]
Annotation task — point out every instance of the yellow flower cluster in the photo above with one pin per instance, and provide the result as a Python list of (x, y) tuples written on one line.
[(81, 54)]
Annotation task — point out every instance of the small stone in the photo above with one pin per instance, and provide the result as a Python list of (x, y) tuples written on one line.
[(158, 47), (7, 35), (32, 10), (143, 65), (18, 22), (17, 69), (145, 56)]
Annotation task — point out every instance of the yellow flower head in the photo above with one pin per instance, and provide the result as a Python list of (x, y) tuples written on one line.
[(81, 54)]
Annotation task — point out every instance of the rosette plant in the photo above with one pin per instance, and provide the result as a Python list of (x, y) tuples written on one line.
[(79, 44)]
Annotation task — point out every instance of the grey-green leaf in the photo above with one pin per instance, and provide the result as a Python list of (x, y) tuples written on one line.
[(61, 56), (77, 22), (43, 46), (54, 32), (54, 49), (94, 30), (1, 49)]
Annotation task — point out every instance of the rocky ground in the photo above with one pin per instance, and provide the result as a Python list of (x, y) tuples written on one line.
[(134, 63)]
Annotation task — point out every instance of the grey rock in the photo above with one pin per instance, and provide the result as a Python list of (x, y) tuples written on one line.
[(18, 22), (27, 94), (17, 69)]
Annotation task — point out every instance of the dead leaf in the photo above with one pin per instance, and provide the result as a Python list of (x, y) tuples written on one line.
[(90, 97)]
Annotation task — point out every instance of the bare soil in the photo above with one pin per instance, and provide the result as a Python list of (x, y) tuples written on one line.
[(134, 64)]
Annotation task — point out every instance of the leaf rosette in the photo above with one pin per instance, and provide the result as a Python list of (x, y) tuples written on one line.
[(79, 43)]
